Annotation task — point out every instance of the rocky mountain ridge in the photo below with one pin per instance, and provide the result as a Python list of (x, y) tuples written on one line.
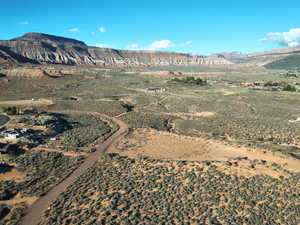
[(229, 55), (266, 58), (49, 49)]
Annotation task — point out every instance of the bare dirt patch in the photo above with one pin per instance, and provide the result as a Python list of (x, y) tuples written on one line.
[(158, 73), (28, 126), (164, 145), (129, 100), (192, 114), (20, 199), (73, 154), (13, 175), (37, 102)]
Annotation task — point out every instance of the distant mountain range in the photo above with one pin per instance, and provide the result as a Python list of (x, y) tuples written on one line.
[(287, 58), (41, 48), (229, 55), (38, 48)]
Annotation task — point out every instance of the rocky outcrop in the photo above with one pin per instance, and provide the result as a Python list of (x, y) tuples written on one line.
[(276, 51), (45, 49), (24, 72), (229, 55)]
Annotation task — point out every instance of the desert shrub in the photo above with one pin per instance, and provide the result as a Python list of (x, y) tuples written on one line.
[(5, 168), (190, 80), (44, 170), (4, 210), (8, 189), (148, 120), (11, 110), (85, 130), (159, 191), (289, 88)]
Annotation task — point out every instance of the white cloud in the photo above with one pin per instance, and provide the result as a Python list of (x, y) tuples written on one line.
[(102, 29), (156, 45), (73, 30), (188, 42), (103, 46), (24, 23), (162, 44), (290, 38), (133, 46)]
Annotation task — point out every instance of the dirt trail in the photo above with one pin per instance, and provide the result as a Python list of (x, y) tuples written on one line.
[(36, 211)]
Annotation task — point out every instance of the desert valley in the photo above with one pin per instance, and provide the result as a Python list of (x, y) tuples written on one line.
[(93, 135)]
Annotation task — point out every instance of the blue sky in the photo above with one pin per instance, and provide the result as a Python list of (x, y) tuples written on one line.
[(192, 26)]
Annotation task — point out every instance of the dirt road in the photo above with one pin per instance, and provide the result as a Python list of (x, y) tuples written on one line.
[(36, 211)]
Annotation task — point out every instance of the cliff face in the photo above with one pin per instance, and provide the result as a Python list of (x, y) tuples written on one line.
[(229, 55), (43, 48)]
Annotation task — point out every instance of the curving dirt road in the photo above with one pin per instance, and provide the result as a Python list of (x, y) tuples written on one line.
[(36, 211)]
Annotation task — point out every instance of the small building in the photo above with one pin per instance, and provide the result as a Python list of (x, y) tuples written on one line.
[(155, 90), (11, 135), (248, 84), (295, 121), (15, 134)]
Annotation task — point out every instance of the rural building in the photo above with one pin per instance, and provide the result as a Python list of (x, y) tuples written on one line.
[(11, 135), (155, 90), (247, 84), (14, 134), (294, 121)]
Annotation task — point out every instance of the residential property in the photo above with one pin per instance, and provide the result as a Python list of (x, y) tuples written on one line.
[(155, 90), (14, 134), (11, 135)]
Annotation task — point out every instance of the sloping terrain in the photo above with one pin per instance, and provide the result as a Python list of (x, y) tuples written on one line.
[(44, 49), (260, 60), (276, 59), (9, 56), (289, 62)]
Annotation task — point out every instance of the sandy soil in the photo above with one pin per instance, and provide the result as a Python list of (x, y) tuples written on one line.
[(27, 102), (28, 126), (19, 199), (13, 175), (164, 145), (73, 154), (192, 114), (156, 73)]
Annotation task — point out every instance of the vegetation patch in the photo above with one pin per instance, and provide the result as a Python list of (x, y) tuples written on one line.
[(84, 130), (190, 80), (3, 119), (175, 192), (43, 170), (289, 62), (149, 120)]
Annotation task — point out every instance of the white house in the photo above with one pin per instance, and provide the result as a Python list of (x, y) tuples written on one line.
[(11, 135)]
